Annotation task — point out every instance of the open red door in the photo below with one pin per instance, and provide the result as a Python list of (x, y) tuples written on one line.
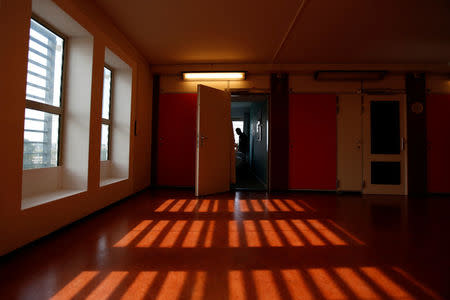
[(214, 141)]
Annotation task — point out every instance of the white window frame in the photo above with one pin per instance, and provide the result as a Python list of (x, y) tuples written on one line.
[(48, 108), (109, 120)]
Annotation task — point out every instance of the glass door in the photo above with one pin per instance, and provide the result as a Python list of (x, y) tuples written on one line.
[(385, 150)]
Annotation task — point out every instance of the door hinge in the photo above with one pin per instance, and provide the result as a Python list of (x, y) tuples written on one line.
[(338, 183), (337, 105)]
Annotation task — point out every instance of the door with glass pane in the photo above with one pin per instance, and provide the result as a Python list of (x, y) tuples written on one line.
[(385, 150)]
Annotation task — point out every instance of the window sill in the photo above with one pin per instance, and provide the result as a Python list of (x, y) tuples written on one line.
[(40, 199), (111, 180)]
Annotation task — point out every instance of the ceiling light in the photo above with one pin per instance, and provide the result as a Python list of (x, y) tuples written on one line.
[(349, 75), (213, 75)]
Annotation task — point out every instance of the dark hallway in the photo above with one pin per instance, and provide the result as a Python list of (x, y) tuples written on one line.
[(249, 114), (247, 180)]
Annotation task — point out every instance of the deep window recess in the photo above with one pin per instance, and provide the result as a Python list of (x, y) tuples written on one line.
[(105, 150), (44, 109)]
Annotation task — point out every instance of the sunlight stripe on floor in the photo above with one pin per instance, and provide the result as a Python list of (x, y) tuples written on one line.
[(75, 286), (138, 289), (107, 286), (163, 206)]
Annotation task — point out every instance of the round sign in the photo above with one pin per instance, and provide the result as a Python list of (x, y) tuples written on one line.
[(417, 108)]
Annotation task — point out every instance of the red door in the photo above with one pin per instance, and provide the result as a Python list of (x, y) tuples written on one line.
[(176, 139), (312, 135), (438, 135)]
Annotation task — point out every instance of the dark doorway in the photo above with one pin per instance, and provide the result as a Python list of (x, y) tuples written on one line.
[(249, 113)]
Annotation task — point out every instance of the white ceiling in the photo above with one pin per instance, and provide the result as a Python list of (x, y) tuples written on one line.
[(252, 31)]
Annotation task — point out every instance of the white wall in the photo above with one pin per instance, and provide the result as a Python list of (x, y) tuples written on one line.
[(20, 226), (77, 106), (122, 77)]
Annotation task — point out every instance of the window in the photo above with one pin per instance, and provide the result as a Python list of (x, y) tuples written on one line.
[(115, 120), (44, 109), (240, 125), (106, 115)]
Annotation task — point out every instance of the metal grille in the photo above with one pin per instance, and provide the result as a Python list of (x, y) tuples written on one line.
[(43, 98)]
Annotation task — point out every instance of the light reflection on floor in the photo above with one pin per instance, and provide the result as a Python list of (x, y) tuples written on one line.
[(235, 227), (246, 233), (367, 282)]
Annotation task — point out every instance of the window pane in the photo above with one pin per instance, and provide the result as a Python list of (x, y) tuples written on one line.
[(104, 146), (385, 172), (240, 125), (106, 92), (45, 59), (385, 127), (40, 148)]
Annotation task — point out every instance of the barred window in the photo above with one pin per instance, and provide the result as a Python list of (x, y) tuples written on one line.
[(44, 109), (105, 150)]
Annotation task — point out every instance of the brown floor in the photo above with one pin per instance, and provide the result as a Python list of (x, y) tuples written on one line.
[(247, 180), (170, 245)]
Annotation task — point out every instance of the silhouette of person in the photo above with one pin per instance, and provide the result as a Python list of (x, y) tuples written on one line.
[(243, 141)]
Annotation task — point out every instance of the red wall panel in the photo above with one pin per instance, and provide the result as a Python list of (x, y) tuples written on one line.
[(176, 139), (438, 135), (279, 131), (312, 137)]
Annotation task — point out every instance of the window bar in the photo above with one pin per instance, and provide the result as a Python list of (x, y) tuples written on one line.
[(38, 64)]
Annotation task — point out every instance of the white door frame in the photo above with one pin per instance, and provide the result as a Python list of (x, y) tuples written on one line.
[(368, 157), (349, 143)]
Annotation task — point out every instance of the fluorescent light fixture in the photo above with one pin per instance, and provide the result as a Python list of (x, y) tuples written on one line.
[(349, 75), (213, 76)]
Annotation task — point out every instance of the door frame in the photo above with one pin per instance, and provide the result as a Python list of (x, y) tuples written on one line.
[(267, 95), (369, 188)]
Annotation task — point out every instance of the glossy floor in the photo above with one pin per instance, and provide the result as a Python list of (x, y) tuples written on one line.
[(247, 180), (171, 245)]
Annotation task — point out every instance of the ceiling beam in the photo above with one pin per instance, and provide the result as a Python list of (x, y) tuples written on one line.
[(286, 35), (169, 69)]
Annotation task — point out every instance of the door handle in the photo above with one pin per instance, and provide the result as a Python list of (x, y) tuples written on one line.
[(402, 144)]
